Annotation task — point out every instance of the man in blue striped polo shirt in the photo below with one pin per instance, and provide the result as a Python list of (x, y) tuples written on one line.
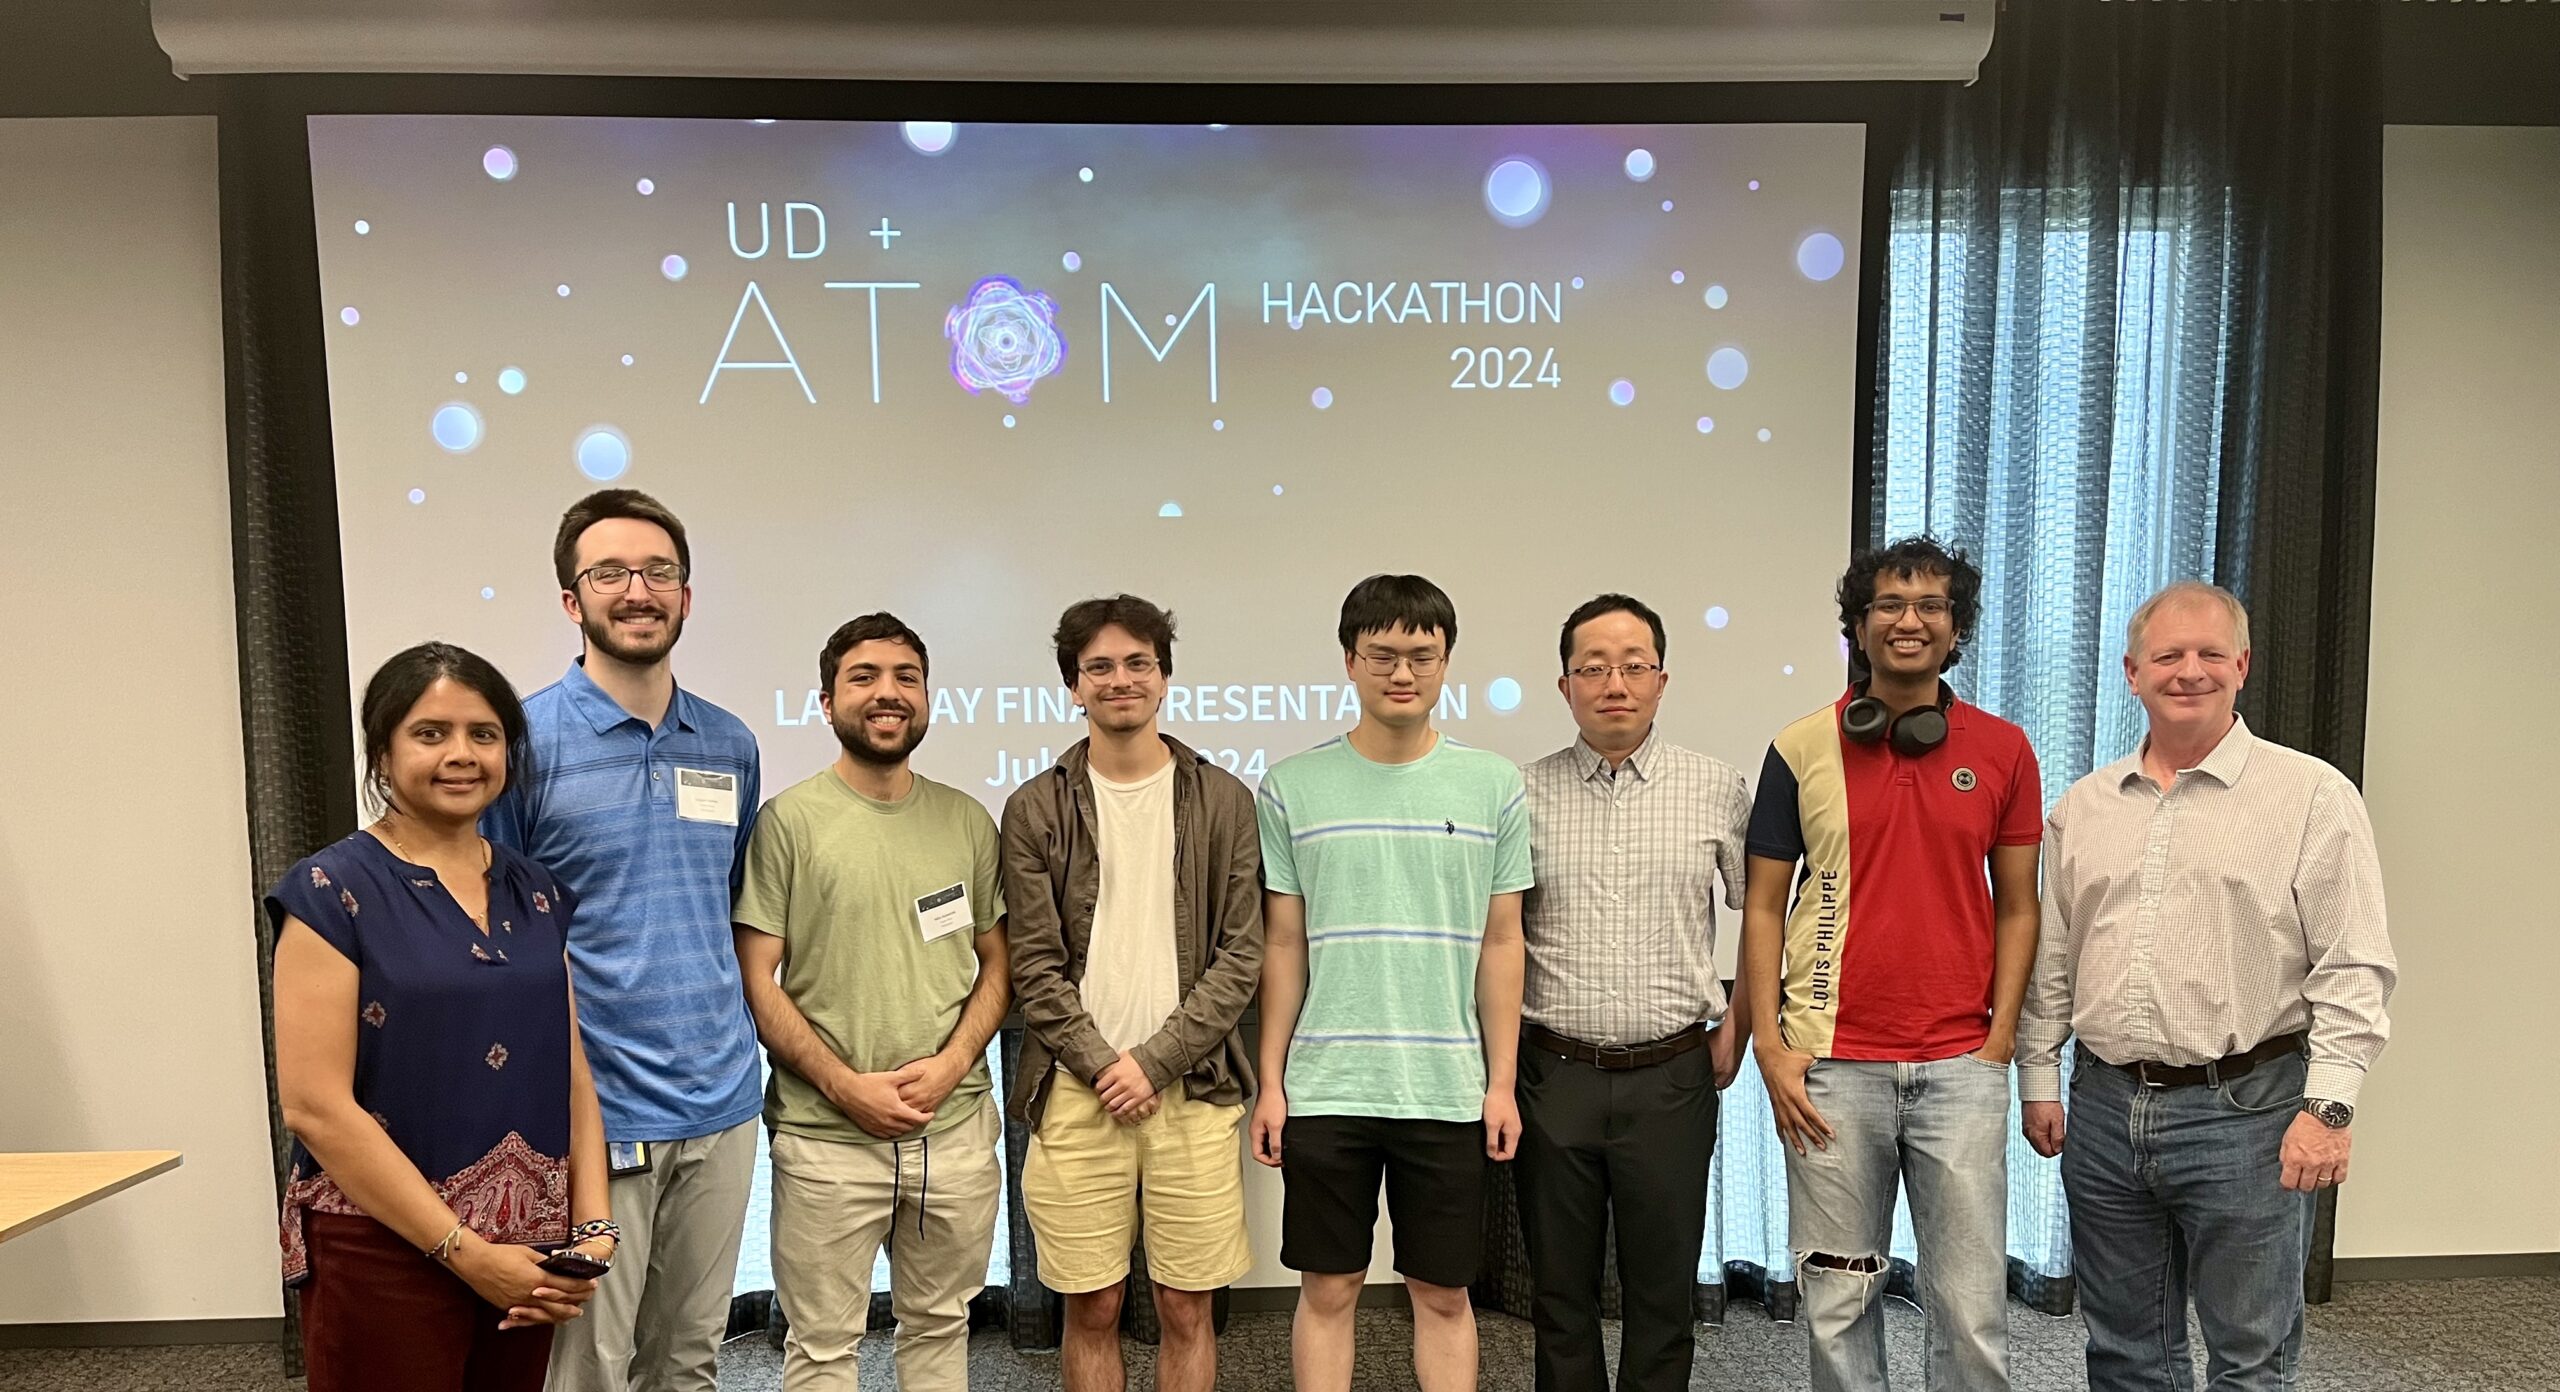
[(641, 798), (1394, 859)]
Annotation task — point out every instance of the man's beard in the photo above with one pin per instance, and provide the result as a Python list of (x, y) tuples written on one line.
[(856, 735), (602, 634)]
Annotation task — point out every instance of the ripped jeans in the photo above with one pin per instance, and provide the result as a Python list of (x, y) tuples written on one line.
[(1942, 1129)]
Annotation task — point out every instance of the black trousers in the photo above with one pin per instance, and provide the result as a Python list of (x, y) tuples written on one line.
[(1631, 1147)]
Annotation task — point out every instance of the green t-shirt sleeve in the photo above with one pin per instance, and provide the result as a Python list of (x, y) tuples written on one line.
[(1511, 872), (986, 880), (1279, 863), (764, 891)]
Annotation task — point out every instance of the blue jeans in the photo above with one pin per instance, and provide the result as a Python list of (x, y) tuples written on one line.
[(2174, 1194), (1942, 1129)]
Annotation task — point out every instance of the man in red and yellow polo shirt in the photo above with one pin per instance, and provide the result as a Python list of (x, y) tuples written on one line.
[(1903, 823)]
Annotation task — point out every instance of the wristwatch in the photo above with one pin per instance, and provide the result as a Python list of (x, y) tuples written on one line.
[(2334, 1115)]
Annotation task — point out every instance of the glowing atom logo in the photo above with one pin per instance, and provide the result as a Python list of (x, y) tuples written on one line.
[(1004, 339)]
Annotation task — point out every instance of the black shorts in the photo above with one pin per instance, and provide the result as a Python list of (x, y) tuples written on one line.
[(1329, 1170)]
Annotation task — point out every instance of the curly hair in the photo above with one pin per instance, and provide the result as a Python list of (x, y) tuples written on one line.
[(1909, 557)]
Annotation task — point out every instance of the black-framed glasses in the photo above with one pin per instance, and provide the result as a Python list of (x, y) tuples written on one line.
[(612, 579), (1932, 608), (1101, 668), (1636, 673), (1384, 664)]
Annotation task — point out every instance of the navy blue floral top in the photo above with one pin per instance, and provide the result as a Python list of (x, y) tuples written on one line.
[(462, 1039)]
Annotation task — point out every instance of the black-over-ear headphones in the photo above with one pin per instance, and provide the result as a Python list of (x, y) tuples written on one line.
[(1866, 720)]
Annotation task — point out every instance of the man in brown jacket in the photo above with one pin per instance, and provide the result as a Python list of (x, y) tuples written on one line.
[(1133, 877)]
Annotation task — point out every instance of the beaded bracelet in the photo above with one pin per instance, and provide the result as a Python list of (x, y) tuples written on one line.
[(594, 1228)]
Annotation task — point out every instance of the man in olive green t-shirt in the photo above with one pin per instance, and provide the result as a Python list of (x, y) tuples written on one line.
[(872, 894)]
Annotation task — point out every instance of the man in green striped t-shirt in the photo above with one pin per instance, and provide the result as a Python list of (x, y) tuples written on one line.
[(1393, 863)]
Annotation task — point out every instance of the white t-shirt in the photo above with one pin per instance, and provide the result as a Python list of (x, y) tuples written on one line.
[(1132, 982)]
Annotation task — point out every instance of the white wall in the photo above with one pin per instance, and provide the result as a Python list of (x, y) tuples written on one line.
[(2459, 1132), (129, 1001)]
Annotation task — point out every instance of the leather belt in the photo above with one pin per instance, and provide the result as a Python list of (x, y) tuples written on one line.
[(2216, 1073), (1616, 1058)]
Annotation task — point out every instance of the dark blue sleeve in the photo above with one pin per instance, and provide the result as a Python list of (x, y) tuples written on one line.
[(750, 806), (317, 892), (1777, 832)]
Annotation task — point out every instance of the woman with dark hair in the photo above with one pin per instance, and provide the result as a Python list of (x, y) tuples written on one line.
[(447, 1203)]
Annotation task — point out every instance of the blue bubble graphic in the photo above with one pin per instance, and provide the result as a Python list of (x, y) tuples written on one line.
[(1085, 175), (1639, 165), (603, 453), (1277, 490), (626, 360), (1728, 368), (417, 495), (1322, 397), (562, 290), (1503, 694), (1679, 276), (511, 380), (499, 163), (349, 317), (1217, 425), (928, 137), (1170, 509), (1764, 434), (646, 187), (363, 227), (456, 427), (1516, 191), (1789, 669), (1622, 392), (1706, 425), (1716, 297), (1820, 256), (1072, 261), (1577, 282), (462, 376), (487, 592), (1755, 188), (1666, 205), (673, 268), (1008, 422), (1717, 617)]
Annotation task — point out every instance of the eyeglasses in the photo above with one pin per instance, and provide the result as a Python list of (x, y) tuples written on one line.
[(1932, 609), (1636, 673), (610, 579), (1384, 664), (1101, 668)]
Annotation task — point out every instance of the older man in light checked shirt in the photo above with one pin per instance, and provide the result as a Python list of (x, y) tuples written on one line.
[(2214, 935)]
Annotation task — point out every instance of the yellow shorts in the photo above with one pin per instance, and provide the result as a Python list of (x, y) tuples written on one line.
[(1083, 1180)]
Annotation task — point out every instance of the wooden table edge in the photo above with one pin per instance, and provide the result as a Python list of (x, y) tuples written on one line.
[(155, 1163)]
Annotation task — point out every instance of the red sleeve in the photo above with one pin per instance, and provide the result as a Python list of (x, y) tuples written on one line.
[(2022, 820)]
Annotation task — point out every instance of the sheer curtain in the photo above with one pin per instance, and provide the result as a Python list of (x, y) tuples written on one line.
[(2121, 341)]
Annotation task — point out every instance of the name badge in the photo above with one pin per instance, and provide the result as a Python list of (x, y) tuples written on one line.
[(943, 912), (704, 796)]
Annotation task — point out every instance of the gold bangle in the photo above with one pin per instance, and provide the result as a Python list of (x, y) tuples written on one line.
[(443, 1250)]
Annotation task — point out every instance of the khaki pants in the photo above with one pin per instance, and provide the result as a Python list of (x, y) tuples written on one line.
[(657, 1319), (834, 1202)]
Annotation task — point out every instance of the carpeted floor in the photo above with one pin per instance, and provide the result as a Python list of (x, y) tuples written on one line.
[(2431, 1336)]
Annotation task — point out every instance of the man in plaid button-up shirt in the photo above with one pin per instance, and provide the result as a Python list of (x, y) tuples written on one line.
[(1620, 1056)]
